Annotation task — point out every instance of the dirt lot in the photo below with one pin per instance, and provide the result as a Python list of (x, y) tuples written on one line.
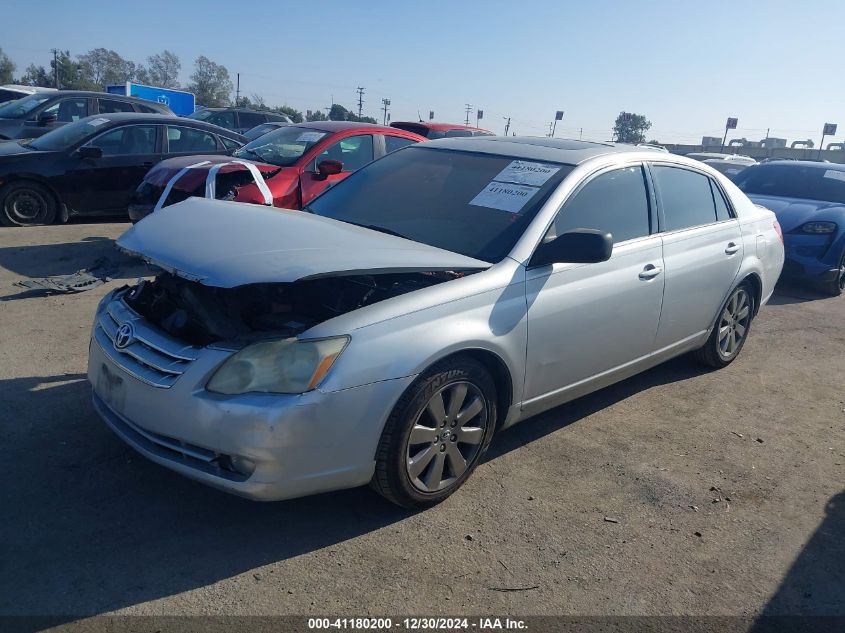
[(727, 490)]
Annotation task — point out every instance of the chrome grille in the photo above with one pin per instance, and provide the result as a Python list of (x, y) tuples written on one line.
[(152, 357)]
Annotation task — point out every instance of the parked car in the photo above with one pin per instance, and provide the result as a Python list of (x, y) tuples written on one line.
[(431, 130), (738, 158), (92, 166), (439, 294), (259, 130), (237, 119), (809, 200), (730, 168), (41, 112), (10, 92), (286, 168)]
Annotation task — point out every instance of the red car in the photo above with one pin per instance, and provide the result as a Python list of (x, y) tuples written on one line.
[(285, 168), (432, 130)]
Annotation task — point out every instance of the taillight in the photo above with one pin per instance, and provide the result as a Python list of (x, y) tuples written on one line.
[(779, 231)]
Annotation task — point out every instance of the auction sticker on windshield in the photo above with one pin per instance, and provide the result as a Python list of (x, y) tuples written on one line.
[(527, 173), (97, 122), (310, 137), (504, 196), (835, 174)]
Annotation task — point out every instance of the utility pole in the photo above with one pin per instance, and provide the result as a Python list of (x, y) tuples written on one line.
[(55, 67), (468, 110), (580, 134), (551, 128), (360, 100), (507, 125), (385, 104), (238, 91)]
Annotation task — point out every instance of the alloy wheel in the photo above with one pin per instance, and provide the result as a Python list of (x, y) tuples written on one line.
[(447, 436), (733, 323)]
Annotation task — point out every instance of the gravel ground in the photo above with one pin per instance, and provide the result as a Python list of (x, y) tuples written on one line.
[(680, 491)]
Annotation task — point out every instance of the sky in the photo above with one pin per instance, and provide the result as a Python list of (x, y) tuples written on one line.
[(686, 65)]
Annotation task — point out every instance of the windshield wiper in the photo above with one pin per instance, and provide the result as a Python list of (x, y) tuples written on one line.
[(381, 229)]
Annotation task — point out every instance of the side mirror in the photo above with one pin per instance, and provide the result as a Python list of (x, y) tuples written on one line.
[(46, 118), (89, 151), (578, 246), (328, 167)]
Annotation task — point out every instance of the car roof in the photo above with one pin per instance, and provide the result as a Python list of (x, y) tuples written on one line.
[(558, 150), (339, 126), (115, 118), (805, 163), (440, 127)]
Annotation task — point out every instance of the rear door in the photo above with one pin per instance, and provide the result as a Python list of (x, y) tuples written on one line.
[(353, 151), (107, 182), (702, 250), (184, 141), (585, 320), (248, 120)]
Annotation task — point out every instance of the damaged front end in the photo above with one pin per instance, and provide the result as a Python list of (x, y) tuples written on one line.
[(202, 315)]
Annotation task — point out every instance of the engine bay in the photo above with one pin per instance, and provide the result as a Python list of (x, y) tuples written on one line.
[(201, 315)]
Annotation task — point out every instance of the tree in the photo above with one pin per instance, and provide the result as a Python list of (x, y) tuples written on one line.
[(315, 115), (630, 127), (210, 83), (37, 76), (294, 114), (103, 67), (7, 67), (338, 113), (162, 70)]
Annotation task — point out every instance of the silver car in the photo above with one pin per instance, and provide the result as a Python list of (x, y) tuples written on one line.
[(431, 299)]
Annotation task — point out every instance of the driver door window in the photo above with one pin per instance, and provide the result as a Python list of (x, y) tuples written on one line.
[(69, 110), (134, 139), (615, 202), (353, 151)]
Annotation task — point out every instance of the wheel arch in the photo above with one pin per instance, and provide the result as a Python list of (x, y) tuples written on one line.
[(757, 286), (38, 180)]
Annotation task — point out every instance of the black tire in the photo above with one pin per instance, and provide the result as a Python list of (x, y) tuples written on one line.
[(715, 352), (837, 287), (392, 478), (27, 203)]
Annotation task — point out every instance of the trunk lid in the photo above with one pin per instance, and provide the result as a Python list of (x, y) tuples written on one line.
[(229, 244)]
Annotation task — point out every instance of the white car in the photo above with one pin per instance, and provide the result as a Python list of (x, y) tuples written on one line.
[(10, 92)]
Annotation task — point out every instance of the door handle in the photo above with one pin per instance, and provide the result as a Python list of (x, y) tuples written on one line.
[(650, 272), (731, 248)]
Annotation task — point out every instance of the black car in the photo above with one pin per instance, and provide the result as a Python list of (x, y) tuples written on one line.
[(261, 130), (238, 119), (37, 114), (92, 166)]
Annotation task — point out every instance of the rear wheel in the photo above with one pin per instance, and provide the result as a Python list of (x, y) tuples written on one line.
[(436, 434), (730, 329), (26, 204), (837, 286)]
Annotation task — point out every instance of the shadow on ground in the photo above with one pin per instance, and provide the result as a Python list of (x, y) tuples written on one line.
[(788, 292), (96, 527)]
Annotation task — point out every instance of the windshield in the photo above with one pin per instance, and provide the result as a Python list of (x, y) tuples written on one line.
[(68, 135), (21, 107), (283, 146), (793, 181), (258, 130), (463, 202)]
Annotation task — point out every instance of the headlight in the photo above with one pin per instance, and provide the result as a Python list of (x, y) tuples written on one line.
[(819, 227), (287, 366)]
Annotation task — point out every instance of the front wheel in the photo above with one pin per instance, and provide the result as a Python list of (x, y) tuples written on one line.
[(26, 204), (730, 329), (436, 434), (837, 286)]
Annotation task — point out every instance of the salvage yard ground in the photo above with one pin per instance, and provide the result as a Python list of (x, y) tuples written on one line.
[(680, 491)]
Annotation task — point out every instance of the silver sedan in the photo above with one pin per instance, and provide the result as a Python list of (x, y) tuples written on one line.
[(418, 307)]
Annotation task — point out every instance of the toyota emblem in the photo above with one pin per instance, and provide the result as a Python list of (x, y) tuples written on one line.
[(124, 337)]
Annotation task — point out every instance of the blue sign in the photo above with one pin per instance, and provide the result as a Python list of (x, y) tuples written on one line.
[(181, 102)]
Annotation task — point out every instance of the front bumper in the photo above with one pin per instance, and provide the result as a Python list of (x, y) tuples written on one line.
[(812, 257), (293, 445)]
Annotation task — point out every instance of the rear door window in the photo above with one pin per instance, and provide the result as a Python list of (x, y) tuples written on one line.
[(251, 119), (615, 202), (182, 140), (686, 197), (392, 143), (107, 106)]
